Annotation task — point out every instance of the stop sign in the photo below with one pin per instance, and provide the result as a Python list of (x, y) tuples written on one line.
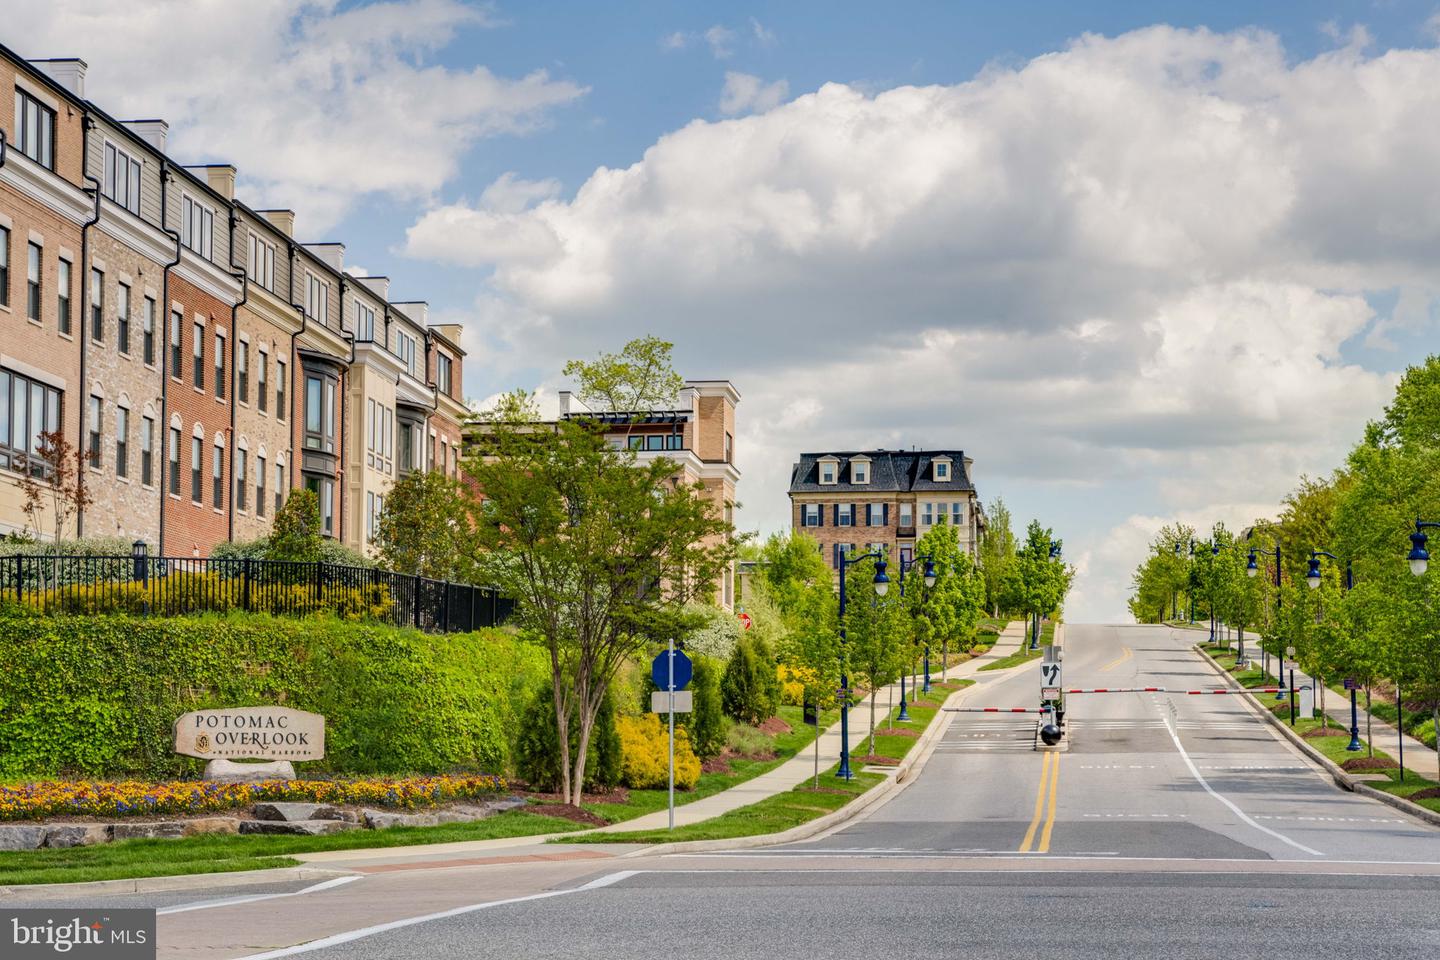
[(745, 620)]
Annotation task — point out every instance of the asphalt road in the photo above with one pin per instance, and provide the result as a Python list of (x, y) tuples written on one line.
[(1171, 826)]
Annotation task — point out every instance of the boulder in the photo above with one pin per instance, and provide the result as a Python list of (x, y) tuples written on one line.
[(160, 829), (381, 819), (228, 771), (304, 828), (296, 812), (76, 834), (462, 814), (21, 836), (204, 825), (509, 803)]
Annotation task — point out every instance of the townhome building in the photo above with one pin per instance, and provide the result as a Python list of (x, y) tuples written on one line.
[(201, 359), (856, 501), (44, 210)]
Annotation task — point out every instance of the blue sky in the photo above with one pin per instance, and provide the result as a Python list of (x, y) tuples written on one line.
[(1142, 261)]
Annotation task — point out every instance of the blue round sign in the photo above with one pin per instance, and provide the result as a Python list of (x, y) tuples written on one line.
[(660, 670)]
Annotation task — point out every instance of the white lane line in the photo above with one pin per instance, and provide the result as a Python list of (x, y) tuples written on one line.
[(352, 935), (253, 898), (1200, 778)]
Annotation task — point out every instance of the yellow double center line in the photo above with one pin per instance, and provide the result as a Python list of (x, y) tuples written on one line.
[(1044, 806), (1119, 660)]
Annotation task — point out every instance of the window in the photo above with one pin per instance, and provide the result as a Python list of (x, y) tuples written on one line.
[(176, 322), (907, 515), (405, 351), (324, 489), (197, 357), (122, 442), (407, 446), (371, 418), (122, 318), (197, 226), (279, 486), (217, 476), (92, 447), (240, 457), (27, 409), (147, 333), (197, 452), (729, 447), (97, 306), (372, 511), (957, 514), (387, 438), (811, 516), (444, 455), (317, 299), (175, 461), (4, 267), (220, 366), (655, 442), (62, 297), (442, 373), (259, 486), (147, 450), (942, 469), (280, 381), (34, 129), (242, 372), (827, 472), (927, 514), (260, 264), (878, 514), (262, 362), (320, 412), (860, 472), (32, 284), (845, 515), (364, 322), (122, 178)]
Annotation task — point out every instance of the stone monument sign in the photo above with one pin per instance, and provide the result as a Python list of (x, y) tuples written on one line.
[(251, 733)]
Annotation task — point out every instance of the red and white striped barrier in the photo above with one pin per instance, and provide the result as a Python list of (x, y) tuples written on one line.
[(992, 710), (1190, 693)]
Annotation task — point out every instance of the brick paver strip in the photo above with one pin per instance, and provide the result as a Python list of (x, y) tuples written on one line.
[(486, 861)]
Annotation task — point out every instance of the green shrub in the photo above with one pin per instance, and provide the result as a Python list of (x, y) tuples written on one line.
[(750, 688), (716, 631), (328, 551), (98, 695), (706, 724), (537, 745), (748, 741)]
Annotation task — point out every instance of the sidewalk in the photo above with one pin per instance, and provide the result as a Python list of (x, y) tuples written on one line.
[(1418, 757), (801, 767)]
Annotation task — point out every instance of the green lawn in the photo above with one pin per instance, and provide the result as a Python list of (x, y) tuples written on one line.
[(803, 803), (1332, 748), (223, 854), (1025, 654)]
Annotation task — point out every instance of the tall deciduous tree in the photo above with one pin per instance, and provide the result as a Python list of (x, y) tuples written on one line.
[(296, 536), (950, 609), (598, 550), (427, 527), (997, 553), (53, 482), (795, 577), (876, 634), (638, 378)]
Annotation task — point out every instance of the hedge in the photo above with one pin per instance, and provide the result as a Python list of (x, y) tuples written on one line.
[(98, 695)]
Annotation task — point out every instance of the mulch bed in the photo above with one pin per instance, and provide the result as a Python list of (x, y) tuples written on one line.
[(877, 760), (1325, 732), (1369, 763), (896, 732), (720, 764), (774, 725), (617, 795), (568, 812), (923, 703), (1429, 793)]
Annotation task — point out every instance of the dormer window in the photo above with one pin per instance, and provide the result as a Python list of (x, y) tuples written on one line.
[(859, 471), (942, 470), (829, 467)]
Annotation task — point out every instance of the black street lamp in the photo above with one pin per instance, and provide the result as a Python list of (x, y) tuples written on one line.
[(929, 577), (1253, 570), (882, 585), (1312, 578)]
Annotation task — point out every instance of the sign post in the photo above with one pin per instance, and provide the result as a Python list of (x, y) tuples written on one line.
[(812, 718), (672, 732), (670, 671)]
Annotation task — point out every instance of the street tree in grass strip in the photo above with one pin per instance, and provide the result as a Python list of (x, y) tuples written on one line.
[(598, 550), (1037, 582), (997, 553), (877, 635), (950, 609), (795, 580)]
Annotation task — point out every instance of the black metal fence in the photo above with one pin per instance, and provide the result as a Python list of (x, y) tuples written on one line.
[(166, 586)]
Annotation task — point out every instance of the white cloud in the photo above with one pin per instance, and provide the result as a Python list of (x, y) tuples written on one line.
[(745, 93), (721, 40), (1119, 275), (317, 105), (763, 36), (675, 41)]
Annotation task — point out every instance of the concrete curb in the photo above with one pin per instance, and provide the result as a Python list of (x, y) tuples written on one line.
[(921, 752), (1341, 778), (189, 881)]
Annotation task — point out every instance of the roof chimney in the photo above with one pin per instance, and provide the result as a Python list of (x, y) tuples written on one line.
[(330, 254), (380, 286), (153, 132), (282, 220), (220, 177), (69, 72), (417, 310)]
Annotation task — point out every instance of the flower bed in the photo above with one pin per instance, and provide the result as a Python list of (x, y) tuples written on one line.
[(37, 801)]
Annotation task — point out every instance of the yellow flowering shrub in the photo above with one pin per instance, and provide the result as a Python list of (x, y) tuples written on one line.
[(36, 801), (645, 754)]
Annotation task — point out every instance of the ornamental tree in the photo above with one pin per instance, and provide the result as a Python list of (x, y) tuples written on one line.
[(427, 527)]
